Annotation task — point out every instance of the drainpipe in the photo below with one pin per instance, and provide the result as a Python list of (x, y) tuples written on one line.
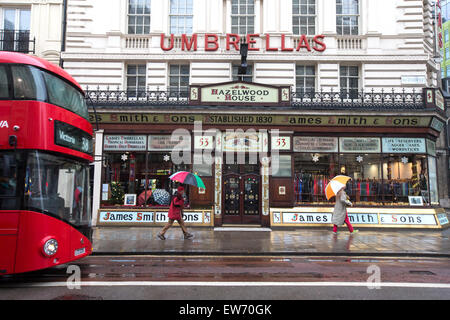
[(63, 37)]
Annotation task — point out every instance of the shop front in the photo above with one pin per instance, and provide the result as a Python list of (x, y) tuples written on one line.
[(268, 167)]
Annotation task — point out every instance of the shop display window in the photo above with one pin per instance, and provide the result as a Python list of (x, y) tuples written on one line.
[(377, 179), (404, 176), (144, 174), (312, 172)]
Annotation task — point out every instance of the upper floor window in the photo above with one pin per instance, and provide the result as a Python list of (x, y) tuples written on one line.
[(243, 16), (136, 77), (305, 79), (15, 29), (248, 77), (139, 16), (347, 17), (304, 17), (179, 79), (181, 16), (349, 80)]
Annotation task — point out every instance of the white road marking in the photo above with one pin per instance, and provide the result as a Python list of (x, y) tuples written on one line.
[(233, 284)]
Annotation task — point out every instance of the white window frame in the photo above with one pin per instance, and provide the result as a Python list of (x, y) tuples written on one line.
[(139, 15), (245, 15), (348, 15), (178, 15), (307, 16)]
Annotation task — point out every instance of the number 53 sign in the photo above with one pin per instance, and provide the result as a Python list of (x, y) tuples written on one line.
[(281, 143), (204, 142)]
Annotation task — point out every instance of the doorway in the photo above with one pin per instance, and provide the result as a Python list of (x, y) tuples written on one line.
[(241, 189)]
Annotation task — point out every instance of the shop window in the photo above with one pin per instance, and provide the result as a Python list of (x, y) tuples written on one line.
[(242, 17), (366, 186), (312, 172), (181, 16), (139, 16), (347, 17), (136, 172), (284, 166), (304, 17), (403, 176), (202, 165)]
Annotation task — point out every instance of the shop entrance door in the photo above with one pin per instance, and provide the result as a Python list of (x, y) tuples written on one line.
[(241, 195)]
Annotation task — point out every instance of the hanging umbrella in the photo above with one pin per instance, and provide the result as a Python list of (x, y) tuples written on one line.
[(161, 197), (336, 184), (188, 178)]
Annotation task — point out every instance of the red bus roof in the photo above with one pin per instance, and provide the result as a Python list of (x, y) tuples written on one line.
[(21, 58)]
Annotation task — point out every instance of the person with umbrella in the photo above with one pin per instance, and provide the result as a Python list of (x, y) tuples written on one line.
[(175, 213), (336, 187)]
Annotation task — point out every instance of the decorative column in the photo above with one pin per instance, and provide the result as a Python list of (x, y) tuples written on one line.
[(218, 164)]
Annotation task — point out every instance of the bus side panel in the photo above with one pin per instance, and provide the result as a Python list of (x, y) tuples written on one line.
[(35, 228), (9, 221)]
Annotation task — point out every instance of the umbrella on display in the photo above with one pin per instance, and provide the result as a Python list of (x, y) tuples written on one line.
[(144, 197), (161, 197), (185, 177), (336, 184)]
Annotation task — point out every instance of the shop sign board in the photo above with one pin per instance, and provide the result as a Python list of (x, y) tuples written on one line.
[(404, 145), (237, 141), (359, 145), (203, 142), (157, 216), (325, 218), (264, 120), (124, 143), (237, 92), (282, 143), (166, 143), (431, 147), (407, 219), (316, 144)]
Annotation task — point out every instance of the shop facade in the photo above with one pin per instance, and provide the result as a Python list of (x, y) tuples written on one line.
[(270, 168)]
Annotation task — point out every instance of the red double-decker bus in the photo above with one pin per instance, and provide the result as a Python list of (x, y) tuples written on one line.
[(45, 151)]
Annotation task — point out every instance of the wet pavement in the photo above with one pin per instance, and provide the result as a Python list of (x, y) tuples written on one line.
[(264, 241)]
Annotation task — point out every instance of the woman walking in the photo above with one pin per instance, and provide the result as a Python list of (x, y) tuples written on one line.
[(340, 212), (175, 213)]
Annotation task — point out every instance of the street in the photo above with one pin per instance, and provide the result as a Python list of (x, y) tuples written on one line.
[(146, 277)]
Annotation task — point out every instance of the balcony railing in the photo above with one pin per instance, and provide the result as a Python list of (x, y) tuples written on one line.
[(318, 100), (17, 41)]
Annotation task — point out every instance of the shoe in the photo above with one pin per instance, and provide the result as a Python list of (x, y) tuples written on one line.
[(354, 231), (188, 236), (160, 236)]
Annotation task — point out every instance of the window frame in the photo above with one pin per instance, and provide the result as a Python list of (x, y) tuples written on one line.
[(348, 15), (177, 89), (185, 17), (249, 29), (136, 89), (136, 15), (307, 16), (305, 76)]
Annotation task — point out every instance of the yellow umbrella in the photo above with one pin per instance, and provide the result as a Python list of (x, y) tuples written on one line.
[(336, 184)]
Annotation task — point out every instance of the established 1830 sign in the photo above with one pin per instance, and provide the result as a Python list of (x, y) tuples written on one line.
[(242, 93)]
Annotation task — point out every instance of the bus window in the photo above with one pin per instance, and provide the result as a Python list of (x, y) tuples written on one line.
[(64, 95), (8, 181), (28, 83), (4, 91)]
